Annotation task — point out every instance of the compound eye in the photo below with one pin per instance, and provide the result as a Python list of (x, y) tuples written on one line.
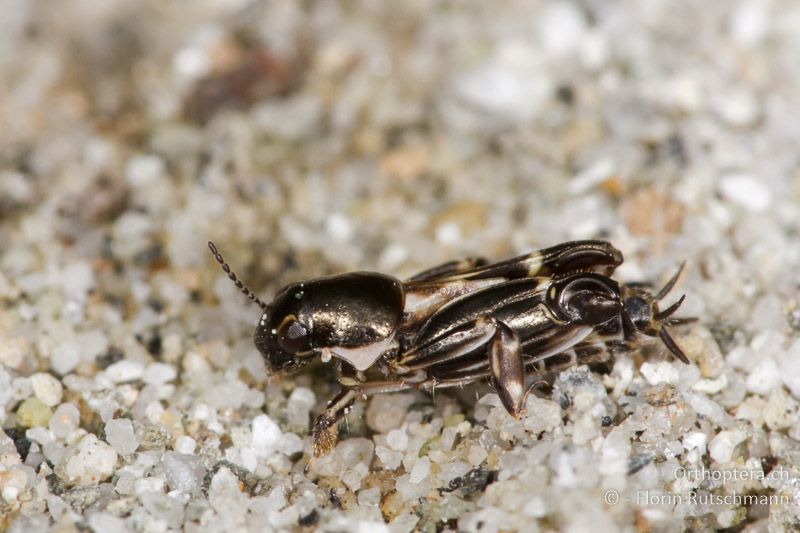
[(292, 335)]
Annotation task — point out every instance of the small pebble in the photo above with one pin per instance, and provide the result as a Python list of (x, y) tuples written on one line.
[(391, 459), (764, 377), (231, 394), (789, 368), (184, 472), (33, 413), (561, 26), (661, 372), (542, 414), (366, 526), (154, 411), (159, 373), (711, 386), (721, 447), (275, 500), (65, 357), (339, 228), (107, 523), (185, 444), (77, 279), (476, 455), (47, 388), (172, 346), (65, 420), (353, 477), (780, 412), (707, 407), (616, 452), (750, 22), (144, 170), (290, 444), (420, 470), (738, 108), (40, 435), (149, 484), (592, 176), (124, 371), (266, 432), (354, 451), (13, 351), (387, 411), (448, 233), (224, 483), (695, 441), (728, 518), (88, 463), (121, 437), (12, 484), (747, 191), (6, 390), (397, 439), (299, 405)]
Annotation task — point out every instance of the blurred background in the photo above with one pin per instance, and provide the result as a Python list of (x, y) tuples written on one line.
[(313, 137)]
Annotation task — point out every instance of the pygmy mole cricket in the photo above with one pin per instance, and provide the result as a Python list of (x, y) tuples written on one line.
[(511, 322)]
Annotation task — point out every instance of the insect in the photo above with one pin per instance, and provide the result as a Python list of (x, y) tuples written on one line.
[(510, 322)]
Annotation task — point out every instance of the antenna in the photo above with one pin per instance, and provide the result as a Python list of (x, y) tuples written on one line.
[(242, 287)]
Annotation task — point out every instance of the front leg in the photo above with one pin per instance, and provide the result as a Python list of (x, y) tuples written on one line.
[(326, 426)]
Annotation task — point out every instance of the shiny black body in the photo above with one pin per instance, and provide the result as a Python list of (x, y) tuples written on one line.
[(511, 322)]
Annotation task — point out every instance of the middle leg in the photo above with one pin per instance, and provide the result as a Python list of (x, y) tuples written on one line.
[(498, 342)]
